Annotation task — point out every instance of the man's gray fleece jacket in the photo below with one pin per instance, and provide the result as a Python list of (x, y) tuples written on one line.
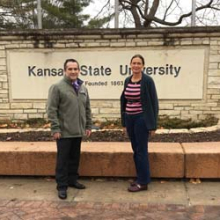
[(68, 113)]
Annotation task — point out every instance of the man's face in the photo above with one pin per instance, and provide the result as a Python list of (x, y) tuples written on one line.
[(72, 71)]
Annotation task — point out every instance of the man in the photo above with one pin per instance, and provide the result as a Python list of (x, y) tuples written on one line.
[(69, 113)]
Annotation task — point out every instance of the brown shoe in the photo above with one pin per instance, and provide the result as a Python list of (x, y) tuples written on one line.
[(137, 188), (133, 183)]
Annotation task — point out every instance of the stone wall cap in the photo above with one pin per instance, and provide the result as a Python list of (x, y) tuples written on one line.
[(112, 31), (201, 148), (158, 131)]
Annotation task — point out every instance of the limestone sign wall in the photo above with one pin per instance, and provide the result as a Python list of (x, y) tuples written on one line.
[(105, 70), (184, 63)]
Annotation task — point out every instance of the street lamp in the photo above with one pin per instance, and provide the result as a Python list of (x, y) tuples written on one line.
[(116, 13), (193, 18), (39, 14)]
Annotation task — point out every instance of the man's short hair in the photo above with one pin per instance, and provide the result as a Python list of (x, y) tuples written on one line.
[(70, 60)]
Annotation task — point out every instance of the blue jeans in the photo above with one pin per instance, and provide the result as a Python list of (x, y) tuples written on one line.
[(138, 135)]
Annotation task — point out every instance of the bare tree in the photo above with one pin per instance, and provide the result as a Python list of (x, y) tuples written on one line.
[(148, 13)]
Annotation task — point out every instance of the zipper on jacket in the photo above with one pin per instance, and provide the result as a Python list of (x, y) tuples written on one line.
[(80, 123)]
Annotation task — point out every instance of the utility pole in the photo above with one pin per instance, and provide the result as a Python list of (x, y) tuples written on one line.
[(116, 13), (193, 18), (39, 14)]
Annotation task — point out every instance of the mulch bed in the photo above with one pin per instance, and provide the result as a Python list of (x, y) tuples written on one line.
[(113, 135)]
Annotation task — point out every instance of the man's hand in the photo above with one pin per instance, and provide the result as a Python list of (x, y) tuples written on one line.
[(56, 136), (88, 133)]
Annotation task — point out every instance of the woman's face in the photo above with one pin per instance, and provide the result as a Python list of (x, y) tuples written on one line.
[(136, 65)]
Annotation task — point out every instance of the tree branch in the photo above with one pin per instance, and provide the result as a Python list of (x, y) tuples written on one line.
[(138, 14), (182, 16), (165, 14), (152, 12), (107, 3), (217, 9), (146, 7), (133, 9)]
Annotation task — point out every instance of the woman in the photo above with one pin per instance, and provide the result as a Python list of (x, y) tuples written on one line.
[(139, 111)]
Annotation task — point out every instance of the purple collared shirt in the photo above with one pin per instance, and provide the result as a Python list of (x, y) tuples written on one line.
[(76, 86)]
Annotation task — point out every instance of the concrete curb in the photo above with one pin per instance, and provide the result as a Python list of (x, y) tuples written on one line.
[(167, 160)]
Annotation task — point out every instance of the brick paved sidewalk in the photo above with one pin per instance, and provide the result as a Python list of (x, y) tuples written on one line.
[(45, 210)]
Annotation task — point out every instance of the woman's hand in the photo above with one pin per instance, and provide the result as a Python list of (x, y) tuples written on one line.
[(152, 133)]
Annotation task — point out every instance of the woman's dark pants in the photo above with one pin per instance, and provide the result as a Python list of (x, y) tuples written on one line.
[(138, 134)]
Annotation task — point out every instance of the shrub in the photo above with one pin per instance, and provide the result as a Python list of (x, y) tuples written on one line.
[(166, 122)]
